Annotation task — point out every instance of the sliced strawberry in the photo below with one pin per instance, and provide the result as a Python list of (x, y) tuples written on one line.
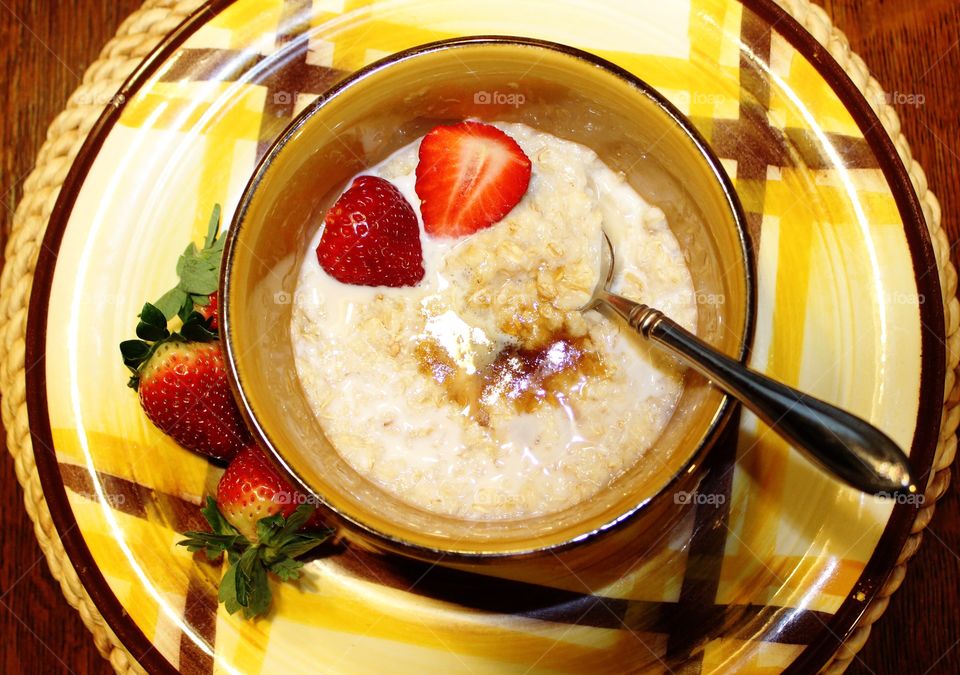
[(469, 177), (371, 237)]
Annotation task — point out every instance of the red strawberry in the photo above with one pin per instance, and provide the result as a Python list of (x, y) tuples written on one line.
[(469, 177), (184, 391), (371, 237), (180, 376), (263, 525), (210, 310), (251, 488)]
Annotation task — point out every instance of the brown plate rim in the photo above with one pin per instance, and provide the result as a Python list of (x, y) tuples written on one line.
[(933, 358)]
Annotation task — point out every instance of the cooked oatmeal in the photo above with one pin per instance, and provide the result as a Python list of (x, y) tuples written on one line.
[(483, 392)]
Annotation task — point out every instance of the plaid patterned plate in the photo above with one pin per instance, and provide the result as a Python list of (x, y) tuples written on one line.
[(768, 574)]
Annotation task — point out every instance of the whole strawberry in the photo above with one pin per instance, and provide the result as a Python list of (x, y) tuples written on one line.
[(183, 388), (251, 489), (262, 524), (371, 237), (180, 375)]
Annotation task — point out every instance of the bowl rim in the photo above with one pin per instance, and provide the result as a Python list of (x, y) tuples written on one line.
[(724, 410)]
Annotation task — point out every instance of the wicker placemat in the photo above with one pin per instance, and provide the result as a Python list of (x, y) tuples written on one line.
[(136, 37)]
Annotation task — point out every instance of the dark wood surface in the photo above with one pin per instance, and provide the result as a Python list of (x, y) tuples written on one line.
[(912, 46)]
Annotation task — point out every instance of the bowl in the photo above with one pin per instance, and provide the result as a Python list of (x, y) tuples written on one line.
[(367, 116)]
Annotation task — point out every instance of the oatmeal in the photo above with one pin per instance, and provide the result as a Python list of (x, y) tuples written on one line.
[(482, 391)]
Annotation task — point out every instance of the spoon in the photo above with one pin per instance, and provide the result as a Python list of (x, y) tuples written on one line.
[(838, 442)]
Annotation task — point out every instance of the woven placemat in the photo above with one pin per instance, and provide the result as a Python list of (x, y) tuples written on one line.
[(136, 37)]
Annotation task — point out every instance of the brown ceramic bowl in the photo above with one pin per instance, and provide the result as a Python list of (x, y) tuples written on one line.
[(566, 92)]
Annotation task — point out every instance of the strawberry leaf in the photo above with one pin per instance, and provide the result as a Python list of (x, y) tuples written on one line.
[(198, 272), (252, 589), (213, 545), (215, 519), (133, 352), (303, 543), (269, 528), (243, 577), (171, 302), (213, 226), (152, 325), (298, 519), (245, 585), (228, 591), (196, 328), (287, 569), (260, 593), (223, 537)]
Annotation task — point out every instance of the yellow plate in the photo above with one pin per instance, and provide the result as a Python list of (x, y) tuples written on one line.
[(777, 561)]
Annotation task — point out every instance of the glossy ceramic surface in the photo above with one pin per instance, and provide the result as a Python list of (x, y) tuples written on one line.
[(775, 561)]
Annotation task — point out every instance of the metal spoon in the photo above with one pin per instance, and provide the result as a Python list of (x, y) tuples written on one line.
[(850, 448)]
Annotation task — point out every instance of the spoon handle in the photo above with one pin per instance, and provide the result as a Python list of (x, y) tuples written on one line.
[(850, 448)]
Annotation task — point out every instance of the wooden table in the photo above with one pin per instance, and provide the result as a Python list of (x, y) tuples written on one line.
[(913, 47)]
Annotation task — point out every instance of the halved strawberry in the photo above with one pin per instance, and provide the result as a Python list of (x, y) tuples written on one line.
[(469, 177), (371, 237), (262, 524)]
